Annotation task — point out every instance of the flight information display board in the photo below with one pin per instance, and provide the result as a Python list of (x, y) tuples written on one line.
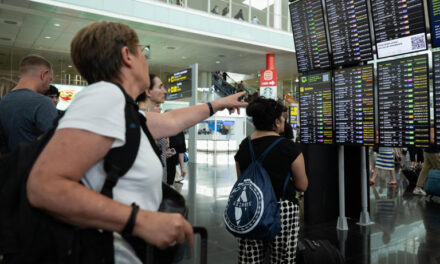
[(399, 26), (436, 69), (354, 106), (316, 111), (309, 35), (349, 31), (179, 85), (403, 93), (434, 12)]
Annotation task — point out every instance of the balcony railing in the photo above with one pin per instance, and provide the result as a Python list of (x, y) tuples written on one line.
[(257, 12)]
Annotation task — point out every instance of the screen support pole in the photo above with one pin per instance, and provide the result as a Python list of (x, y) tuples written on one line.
[(192, 163), (365, 216), (342, 220)]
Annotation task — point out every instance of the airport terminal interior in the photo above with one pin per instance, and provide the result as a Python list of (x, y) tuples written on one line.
[(360, 80)]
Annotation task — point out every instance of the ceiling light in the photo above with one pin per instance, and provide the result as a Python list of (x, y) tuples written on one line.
[(57, 25), (183, 57), (70, 66), (10, 22), (259, 4), (218, 62), (47, 37)]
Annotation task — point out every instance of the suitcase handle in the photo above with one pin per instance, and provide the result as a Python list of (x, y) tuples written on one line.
[(203, 243)]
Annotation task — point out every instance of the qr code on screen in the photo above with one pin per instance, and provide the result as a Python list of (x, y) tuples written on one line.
[(418, 42)]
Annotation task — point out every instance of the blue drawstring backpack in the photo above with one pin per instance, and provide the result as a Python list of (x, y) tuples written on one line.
[(252, 210)]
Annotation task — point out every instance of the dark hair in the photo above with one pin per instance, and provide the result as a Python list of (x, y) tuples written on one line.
[(143, 96), (96, 50), (32, 61), (264, 112), (52, 90)]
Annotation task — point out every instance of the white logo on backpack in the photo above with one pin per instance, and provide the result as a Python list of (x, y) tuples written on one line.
[(251, 198)]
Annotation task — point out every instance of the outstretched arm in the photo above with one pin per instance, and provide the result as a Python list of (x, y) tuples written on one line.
[(173, 122)]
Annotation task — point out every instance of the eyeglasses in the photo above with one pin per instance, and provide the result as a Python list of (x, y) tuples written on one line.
[(145, 49)]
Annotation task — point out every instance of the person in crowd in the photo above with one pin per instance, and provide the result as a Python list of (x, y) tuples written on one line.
[(267, 117), (431, 162), (108, 55), (53, 94), (6, 86), (225, 76), (225, 11), (403, 152), (149, 101), (177, 143), (287, 131), (385, 162), (215, 10), (25, 113), (255, 20), (239, 15), (179, 2), (415, 156), (240, 87)]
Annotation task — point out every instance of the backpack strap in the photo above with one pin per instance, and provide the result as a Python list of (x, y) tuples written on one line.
[(251, 150), (119, 160), (263, 156), (286, 182)]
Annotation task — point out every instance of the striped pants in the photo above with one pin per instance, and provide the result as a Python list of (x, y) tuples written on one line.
[(282, 248)]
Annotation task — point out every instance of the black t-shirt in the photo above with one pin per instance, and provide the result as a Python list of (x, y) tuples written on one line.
[(277, 162), (178, 143)]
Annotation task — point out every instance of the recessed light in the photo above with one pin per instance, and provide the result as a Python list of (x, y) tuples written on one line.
[(183, 57), (218, 62), (70, 66), (10, 22), (57, 25), (47, 37)]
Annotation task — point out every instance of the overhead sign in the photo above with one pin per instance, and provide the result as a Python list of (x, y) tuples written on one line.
[(179, 85), (268, 84)]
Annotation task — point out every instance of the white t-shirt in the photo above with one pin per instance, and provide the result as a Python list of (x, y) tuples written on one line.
[(99, 108)]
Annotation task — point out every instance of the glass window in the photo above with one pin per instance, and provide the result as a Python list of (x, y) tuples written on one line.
[(240, 11), (201, 5), (220, 7)]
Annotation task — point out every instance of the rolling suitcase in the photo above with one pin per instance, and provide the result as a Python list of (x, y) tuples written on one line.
[(152, 256), (432, 183), (317, 252)]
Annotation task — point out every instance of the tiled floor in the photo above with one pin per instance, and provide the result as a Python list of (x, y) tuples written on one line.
[(406, 229)]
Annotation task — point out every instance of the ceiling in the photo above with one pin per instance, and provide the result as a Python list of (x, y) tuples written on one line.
[(32, 28)]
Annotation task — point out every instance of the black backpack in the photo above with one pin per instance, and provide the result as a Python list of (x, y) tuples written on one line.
[(30, 235)]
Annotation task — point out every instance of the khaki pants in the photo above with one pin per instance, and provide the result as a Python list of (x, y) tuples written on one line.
[(432, 162)]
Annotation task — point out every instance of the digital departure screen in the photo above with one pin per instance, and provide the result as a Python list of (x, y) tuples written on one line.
[(179, 85), (315, 106), (436, 69), (349, 31), (434, 12), (309, 35), (354, 106), (399, 26), (403, 94)]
